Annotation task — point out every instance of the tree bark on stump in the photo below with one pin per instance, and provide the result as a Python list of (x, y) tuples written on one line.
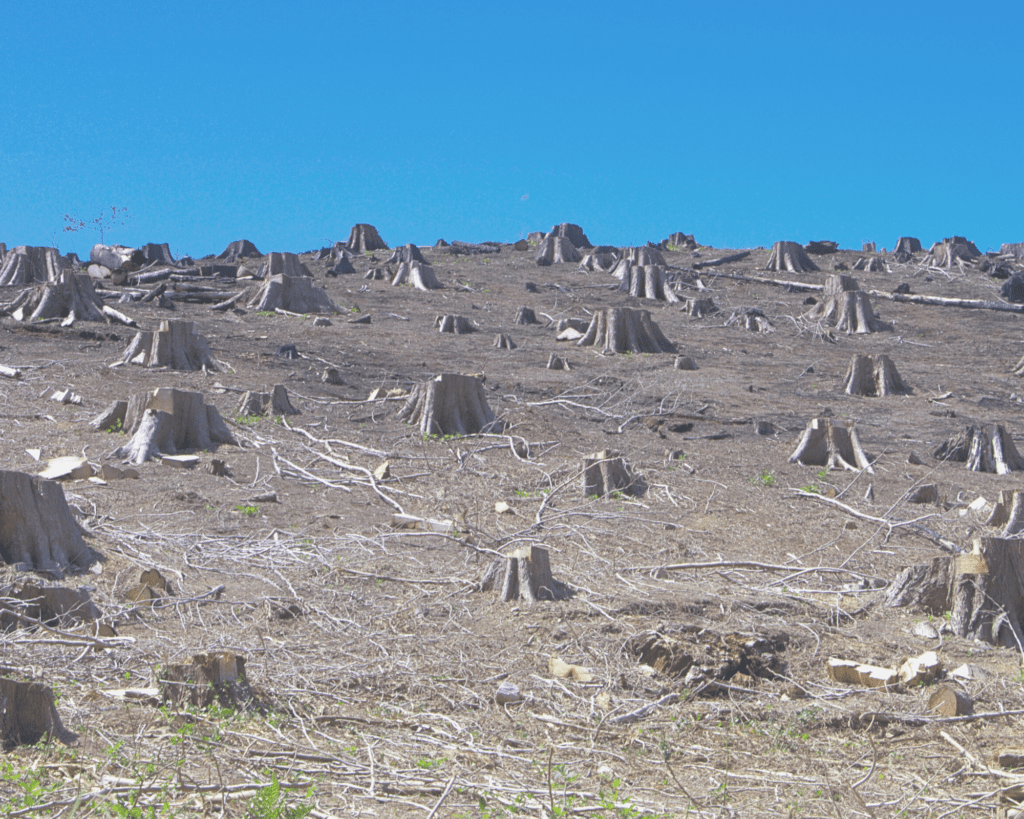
[(1008, 512), (525, 574), (874, 375), (266, 403), (177, 345), (38, 532), (948, 251), (111, 419), (600, 260), (924, 586), (525, 315), (407, 253), (214, 677), (556, 250), (846, 307), (648, 282), (364, 238), (70, 297), (907, 245), (871, 264), (503, 341), (987, 598), (557, 362), (451, 404), (168, 421), (988, 448), (832, 444), (574, 233), (624, 330), (420, 276), (241, 249), (642, 256), (28, 714), (31, 265), (459, 325), (283, 264), (293, 293), (789, 257), (605, 472)]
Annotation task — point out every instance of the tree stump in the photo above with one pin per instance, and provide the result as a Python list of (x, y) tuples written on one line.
[(925, 586), (679, 241), (647, 282), (70, 297), (606, 472), (111, 419), (1008, 512), (556, 250), (28, 714), (503, 341), (752, 319), (624, 330), (846, 307), (789, 257), (420, 276), (986, 600), (451, 404), (407, 253), (907, 245), (168, 421), (50, 605), (459, 325), (821, 247), (176, 345), (874, 375), (365, 238), (685, 362), (637, 256), (282, 264), (31, 265), (241, 249), (557, 362), (833, 444), (525, 574), (525, 315), (296, 294), (214, 677), (574, 233), (379, 274), (699, 308), (988, 448), (945, 253), (38, 532), (600, 260), (872, 264), (343, 267), (266, 403)]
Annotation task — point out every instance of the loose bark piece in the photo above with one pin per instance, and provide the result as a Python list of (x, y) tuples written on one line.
[(556, 250), (833, 444), (420, 276), (503, 341), (282, 264), (407, 253), (364, 238), (38, 532), (874, 376), (606, 472), (625, 330), (450, 404), (525, 574), (295, 294), (988, 448), (459, 325), (177, 345), (28, 714), (214, 677), (647, 282), (167, 421), (574, 233), (266, 403), (791, 257), (988, 592)]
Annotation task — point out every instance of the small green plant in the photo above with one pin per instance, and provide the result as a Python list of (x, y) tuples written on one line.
[(268, 803), (822, 474), (812, 488), (766, 478), (427, 762), (248, 511), (266, 313), (247, 420)]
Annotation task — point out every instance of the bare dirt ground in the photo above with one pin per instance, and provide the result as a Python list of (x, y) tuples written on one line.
[(378, 698)]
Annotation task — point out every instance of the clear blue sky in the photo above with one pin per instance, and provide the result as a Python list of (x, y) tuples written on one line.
[(285, 123)]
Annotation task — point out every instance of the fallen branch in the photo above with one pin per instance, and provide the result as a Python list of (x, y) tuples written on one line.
[(941, 301)]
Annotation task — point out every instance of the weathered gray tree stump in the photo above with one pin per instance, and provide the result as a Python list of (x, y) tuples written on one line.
[(214, 677), (274, 402), (557, 362), (379, 274), (606, 472), (296, 294), (503, 341), (684, 362), (698, 308), (874, 375), (28, 714), (600, 260), (451, 404), (177, 345), (821, 247), (752, 319), (524, 575), (31, 265), (574, 233), (111, 419), (282, 264), (556, 250), (364, 238), (459, 325), (241, 249), (789, 257), (679, 241), (846, 307), (833, 444), (648, 282), (70, 297), (988, 448), (420, 276), (624, 330), (987, 599), (871, 264), (168, 421), (907, 245), (945, 253), (525, 315), (407, 253)]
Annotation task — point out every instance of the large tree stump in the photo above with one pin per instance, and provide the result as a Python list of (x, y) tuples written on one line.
[(168, 421), (459, 325), (296, 294), (274, 402), (177, 345), (637, 256), (752, 319), (71, 297), (988, 448), (680, 241), (1008, 512), (648, 282), (407, 253), (574, 233), (282, 264), (606, 472), (214, 677), (525, 315), (945, 253), (871, 264), (31, 265), (924, 586), (343, 267), (789, 257), (450, 404), (111, 419), (365, 238), (987, 600), (833, 444), (874, 375), (846, 306), (379, 274), (420, 276), (241, 249), (556, 250), (907, 246), (624, 330), (525, 574), (28, 714), (38, 532), (600, 260)]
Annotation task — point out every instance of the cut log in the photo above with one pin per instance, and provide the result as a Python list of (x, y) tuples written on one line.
[(364, 239), (574, 233), (28, 714), (732, 257), (947, 701), (988, 448), (227, 304), (556, 250), (525, 315), (525, 574), (874, 375), (850, 672), (38, 532), (295, 294), (698, 308), (924, 586), (282, 264), (606, 472), (217, 677), (987, 600), (274, 402), (647, 282), (420, 276), (31, 265), (625, 330), (459, 325), (921, 669), (177, 345), (752, 319), (241, 249), (117, 257), (71, 297), (503, 341), (833, 444), (167, 421), (407, 253), (450, 404), (791, 257)]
